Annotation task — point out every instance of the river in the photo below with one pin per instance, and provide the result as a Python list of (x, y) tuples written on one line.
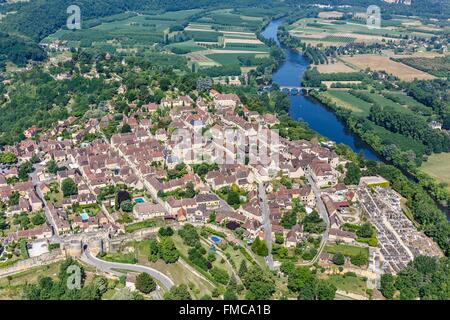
[(311, 111), (315, 114)]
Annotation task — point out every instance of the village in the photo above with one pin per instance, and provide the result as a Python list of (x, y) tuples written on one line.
[(208, 166)]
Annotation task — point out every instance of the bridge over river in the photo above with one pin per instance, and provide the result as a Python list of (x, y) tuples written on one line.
[(290, 90)]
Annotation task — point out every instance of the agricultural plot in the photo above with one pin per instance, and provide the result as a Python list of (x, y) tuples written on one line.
[(130, 29), (329, 32), (348, 101), (438, 66), (338, 66), (231, 21), (383, 63), (185, 47), (233, 58)]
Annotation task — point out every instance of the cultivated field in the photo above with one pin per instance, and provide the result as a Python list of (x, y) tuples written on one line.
[(330, 14), (334, 67), (382, 63)]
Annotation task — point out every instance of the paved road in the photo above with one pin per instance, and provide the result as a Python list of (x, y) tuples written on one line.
[(109, 266), (323, 213), (36, 184), (266, 222)]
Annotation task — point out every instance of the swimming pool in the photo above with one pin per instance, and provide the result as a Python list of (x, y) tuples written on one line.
[(216, 239), (84, 216), (139, 200)]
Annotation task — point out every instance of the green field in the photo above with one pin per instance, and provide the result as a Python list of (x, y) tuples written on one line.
[(189, 46), (346, 250), (232, 58), (438, 167), (352, 284), (348, 101)]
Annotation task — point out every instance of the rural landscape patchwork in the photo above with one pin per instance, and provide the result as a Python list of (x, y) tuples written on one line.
[(224, 150)]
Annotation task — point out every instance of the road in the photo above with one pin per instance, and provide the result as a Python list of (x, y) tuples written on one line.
[(266, 222), (109, 266), (323, 213), (48, 216)]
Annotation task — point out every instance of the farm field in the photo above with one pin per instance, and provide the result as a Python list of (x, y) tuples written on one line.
[(383, 63), (438, 167), (438, 66), (338, 66), (328, 31)]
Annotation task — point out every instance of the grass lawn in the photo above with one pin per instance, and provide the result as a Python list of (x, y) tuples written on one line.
[(353, 284), (346, 250), (12, 288), (176, 271), (143, 224), (438, 167)]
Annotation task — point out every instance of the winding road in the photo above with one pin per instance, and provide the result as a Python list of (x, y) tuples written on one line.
[(110, 266)]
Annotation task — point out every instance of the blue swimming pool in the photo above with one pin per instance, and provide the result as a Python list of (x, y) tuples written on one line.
[(216, 239), (84, 216), (139, 200)]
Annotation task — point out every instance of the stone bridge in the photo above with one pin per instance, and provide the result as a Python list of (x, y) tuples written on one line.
[(290, 90)]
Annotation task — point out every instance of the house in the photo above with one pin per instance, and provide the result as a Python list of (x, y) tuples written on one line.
[(41, 232), (145, 210), (306, 196), (210, 200), (226, 100), (346, 236), (322, 173), (31, 132)]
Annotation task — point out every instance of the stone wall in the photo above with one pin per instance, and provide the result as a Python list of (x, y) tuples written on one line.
[(22, 265)]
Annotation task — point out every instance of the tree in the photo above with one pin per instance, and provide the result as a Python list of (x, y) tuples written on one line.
[(167, 251), (325, 290), (387, 285), (289, 219), (180, 292), (154, 251), (127, 206), (338, 259), (52, 167), (125, 128), (145, 283), (259, 284), (353, 174), (38, 219), (233, 198), (189, 235), (165, 232), (7, 158), (242, 268), (279, 239), (260, 248), (69, 187), (365, 231), (24, 169), (13, 199), (359, 260), (220, 275)]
